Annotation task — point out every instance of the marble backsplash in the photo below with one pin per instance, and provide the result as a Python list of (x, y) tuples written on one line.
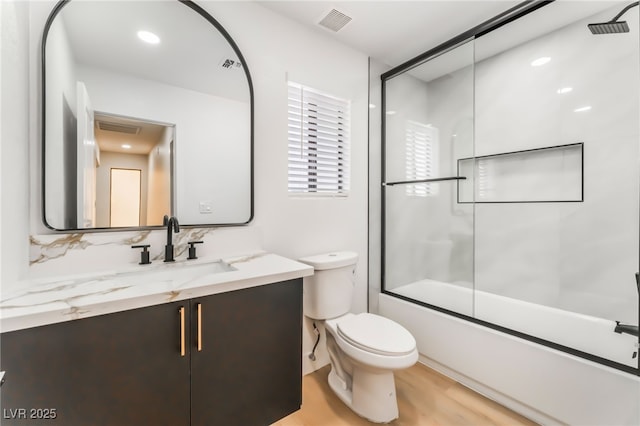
[(56, 255)]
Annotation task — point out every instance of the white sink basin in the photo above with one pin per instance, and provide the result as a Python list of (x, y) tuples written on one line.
[(182, 271)]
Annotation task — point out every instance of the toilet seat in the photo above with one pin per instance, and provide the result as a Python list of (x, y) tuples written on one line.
[(376, 334)]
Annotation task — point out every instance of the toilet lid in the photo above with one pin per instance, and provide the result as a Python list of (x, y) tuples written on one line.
[(376, 334)]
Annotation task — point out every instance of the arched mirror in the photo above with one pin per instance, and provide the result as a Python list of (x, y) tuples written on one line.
[(147, 110)]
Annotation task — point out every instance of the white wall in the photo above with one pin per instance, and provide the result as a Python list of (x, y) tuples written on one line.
[(274, 48), (15, 136)]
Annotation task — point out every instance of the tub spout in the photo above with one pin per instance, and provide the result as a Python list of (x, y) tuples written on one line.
[(626, 328)]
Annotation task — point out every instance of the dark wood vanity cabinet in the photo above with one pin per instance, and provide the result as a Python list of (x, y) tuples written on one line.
[(251, 356), (241, 364), (117, 369)]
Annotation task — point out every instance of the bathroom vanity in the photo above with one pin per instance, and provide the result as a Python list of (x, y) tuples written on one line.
[(222, 348)]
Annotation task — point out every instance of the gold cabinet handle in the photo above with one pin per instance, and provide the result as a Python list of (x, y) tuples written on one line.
[(182, 345), (199, 327)]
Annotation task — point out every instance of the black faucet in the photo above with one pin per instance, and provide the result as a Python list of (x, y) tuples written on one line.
[(172, 226)]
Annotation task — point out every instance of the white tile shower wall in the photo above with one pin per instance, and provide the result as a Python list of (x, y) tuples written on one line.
[(575, 256), (274, 47)]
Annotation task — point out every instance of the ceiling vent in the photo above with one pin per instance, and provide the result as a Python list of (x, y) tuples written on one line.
[(118, 127), (335, 20)]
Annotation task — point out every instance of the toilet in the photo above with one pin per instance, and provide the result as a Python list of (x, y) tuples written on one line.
[(364, 349)]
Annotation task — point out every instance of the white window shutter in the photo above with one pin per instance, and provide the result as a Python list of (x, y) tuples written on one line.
[(318, 142)]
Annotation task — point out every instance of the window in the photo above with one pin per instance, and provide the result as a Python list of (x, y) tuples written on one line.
[(421, 142), (318, 142)]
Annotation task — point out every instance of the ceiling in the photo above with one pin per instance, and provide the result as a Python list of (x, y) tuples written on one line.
[(390, 31), (394, 31), (192, 54), (112, 132)]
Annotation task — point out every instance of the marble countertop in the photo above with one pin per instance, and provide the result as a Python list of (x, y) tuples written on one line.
[(68, 298)]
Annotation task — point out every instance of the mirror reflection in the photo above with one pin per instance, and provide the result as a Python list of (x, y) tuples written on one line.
[(144, 150), (148, 112)]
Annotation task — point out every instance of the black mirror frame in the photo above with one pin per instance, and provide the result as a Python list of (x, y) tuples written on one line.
[(190, 4)]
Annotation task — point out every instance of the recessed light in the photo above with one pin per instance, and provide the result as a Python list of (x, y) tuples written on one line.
[(564, 90), (582, 109), (540, 61), (148, 37), (391, 112), (126, 146)]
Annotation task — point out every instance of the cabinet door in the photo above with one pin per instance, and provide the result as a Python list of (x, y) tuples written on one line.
[(119, 369), (249, 370)]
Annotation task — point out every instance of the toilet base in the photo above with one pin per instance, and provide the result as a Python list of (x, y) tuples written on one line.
[(373, 393)]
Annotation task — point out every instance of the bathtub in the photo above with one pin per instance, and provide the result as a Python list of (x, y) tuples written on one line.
[(578, 331)]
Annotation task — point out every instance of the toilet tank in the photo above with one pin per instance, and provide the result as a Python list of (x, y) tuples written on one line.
[(329, 291)]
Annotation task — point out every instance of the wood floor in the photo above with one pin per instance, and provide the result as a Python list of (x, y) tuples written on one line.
[(425, 397)]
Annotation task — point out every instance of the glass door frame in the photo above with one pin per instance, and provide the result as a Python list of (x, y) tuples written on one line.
[(498, 21)]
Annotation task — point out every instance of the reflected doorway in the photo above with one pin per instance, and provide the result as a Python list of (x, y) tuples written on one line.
[(125, 197), (127, 143)]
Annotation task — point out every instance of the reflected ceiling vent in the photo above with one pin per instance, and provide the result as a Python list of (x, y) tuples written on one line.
[(230, 64), (335, 20), (118, 127)]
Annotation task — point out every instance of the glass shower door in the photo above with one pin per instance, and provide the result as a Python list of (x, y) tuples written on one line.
[(511, 180), (556, 189), (427, 235)]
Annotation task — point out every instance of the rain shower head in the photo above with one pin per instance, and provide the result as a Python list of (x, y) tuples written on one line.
[(613, 26)]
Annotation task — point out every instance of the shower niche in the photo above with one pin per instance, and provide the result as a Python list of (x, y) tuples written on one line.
[(510, 184), (541, 175)]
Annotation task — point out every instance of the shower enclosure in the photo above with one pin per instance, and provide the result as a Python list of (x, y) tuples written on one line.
[(510, 179)]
